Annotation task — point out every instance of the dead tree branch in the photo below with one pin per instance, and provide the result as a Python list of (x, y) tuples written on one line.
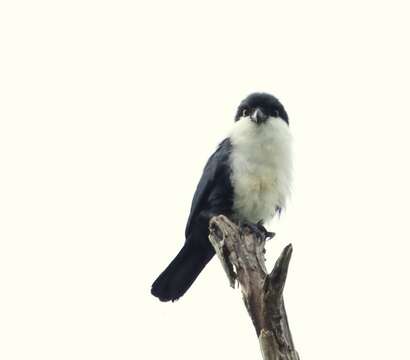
[(241, 253)]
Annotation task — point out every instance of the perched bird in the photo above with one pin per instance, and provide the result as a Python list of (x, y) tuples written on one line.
[(247, 179)]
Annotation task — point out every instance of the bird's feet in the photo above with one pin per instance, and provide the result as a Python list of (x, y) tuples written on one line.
[(258, 229)]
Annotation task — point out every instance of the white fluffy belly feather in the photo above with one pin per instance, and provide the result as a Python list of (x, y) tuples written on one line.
[(261, 168)]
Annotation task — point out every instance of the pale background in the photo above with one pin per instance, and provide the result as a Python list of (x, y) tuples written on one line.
[(109, 110)]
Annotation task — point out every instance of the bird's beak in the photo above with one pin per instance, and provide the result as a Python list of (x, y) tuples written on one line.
[(258, 116)]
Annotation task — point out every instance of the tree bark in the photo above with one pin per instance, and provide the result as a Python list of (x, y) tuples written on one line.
[(241, 252)]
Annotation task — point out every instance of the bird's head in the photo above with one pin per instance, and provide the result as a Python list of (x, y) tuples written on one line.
[(260, 108)]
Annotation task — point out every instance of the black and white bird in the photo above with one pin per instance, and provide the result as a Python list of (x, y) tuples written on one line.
[(247, 179)]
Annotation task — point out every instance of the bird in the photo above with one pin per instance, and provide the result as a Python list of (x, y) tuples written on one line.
[(247, 179)]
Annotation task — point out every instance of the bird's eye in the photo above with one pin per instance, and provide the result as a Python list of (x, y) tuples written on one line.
[(245, 112)]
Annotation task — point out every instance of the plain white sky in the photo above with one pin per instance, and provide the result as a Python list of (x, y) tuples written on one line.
[(109, 110)]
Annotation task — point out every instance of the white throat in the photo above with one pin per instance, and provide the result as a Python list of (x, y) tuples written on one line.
[(261, 163)]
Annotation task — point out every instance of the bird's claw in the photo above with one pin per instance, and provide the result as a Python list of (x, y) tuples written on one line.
[(268, 234), (258, 229)]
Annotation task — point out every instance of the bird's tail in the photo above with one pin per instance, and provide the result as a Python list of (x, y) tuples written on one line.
[(176, 279)]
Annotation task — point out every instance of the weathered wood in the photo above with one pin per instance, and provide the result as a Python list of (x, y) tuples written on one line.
[(241, 253)]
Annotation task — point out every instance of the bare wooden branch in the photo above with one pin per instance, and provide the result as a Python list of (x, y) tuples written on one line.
[(241, 253)]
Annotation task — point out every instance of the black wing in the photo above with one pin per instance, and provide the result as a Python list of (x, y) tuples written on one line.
[(214, 192)]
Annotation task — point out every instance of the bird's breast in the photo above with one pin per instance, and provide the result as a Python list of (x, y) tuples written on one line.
[(261, 175)]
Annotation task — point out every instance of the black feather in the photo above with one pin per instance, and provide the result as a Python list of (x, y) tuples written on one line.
[(213, 196)]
